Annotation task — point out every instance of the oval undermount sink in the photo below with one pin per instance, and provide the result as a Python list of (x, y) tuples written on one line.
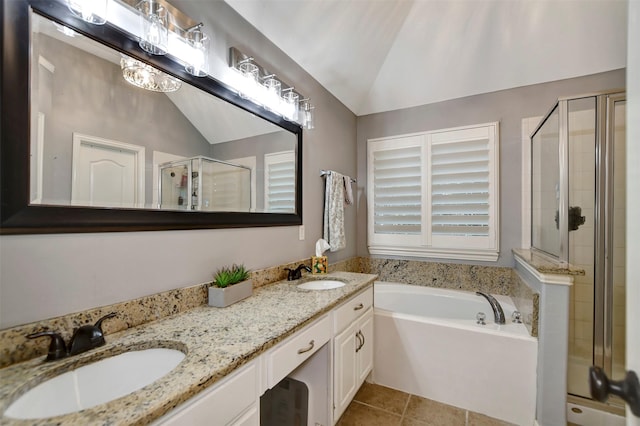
[(321, 285), (96, 383)]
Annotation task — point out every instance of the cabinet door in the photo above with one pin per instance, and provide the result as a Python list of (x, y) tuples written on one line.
[(250, 418), (221, 404), (345, 374), (364, 362)]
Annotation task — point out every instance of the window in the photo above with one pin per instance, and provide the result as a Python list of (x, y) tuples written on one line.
[(435, 194), (279, 182)]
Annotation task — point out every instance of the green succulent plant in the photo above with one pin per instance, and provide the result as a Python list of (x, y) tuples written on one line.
[(230, 275)]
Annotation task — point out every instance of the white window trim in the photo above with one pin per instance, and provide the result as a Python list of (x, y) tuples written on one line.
[(422, 245)]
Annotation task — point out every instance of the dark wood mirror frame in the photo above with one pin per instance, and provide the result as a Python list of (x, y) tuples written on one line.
[(18, 216)]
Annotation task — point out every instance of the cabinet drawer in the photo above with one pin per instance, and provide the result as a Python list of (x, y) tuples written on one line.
[(295, 350), (221, 404), (350, 310)]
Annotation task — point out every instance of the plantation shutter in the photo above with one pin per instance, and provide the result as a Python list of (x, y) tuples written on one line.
[(462, 187), (280, 182), (435, 194), (396, 179)]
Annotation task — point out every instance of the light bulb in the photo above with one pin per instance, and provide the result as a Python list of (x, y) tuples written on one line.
[(154, 22), (197, 61)]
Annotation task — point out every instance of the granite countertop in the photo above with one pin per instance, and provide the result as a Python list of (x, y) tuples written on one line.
[(546, 264), (216, 342)]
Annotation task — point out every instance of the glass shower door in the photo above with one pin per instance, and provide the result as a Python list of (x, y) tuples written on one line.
[(596, 142), (545, 189), (581, 131)]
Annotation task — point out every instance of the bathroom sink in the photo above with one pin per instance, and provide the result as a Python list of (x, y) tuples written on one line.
[(321, 285), (95, 383)]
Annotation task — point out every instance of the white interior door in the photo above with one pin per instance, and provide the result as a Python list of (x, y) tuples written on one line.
[(107, 173)]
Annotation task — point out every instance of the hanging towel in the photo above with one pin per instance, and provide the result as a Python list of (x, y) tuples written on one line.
[(334, 211), (348, 191)]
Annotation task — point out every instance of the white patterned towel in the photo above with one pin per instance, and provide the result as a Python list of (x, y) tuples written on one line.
[(334, 211)]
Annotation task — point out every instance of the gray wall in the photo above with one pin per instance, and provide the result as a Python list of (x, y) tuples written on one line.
[(508, 107), (42, 276), (85, 87)]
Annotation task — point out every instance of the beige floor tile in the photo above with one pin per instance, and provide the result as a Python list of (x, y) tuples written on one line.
[(407, 421), (358, 414), (476, 419), (383, 397), (434, 413)]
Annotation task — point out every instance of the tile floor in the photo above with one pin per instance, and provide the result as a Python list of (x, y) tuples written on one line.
[(376, 405)]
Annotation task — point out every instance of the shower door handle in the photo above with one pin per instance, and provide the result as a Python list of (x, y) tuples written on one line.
[(628, 389)]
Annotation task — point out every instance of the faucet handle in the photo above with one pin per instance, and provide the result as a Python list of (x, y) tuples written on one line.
[(480, 317), (516, 317), (57, 347)]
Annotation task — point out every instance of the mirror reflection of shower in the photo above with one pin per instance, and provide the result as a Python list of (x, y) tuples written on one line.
[(577, 213)]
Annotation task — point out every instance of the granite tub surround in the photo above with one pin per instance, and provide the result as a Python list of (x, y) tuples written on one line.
[(495, 280), (215, 341), (546, 264), (527, 302)]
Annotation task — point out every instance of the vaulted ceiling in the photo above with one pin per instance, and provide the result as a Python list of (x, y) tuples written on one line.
[(382, 55)]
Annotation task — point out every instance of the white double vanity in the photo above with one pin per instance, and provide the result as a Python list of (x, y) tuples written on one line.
[(284, 355), (332, 356)]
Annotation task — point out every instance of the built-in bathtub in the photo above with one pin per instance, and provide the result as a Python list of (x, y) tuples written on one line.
[(427, 343)]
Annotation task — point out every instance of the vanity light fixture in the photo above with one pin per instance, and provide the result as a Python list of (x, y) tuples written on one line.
[(249, 72), (161, 28), (307, 117), (255, 83), (147, 77), (273, 97), (154, 21), (198, 63), (92, 11), (292, 104)]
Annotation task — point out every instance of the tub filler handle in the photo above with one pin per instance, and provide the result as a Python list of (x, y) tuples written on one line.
[(516, 317), (498, 313)]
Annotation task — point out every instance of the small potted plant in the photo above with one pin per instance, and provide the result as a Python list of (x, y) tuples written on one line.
[(230, 285)]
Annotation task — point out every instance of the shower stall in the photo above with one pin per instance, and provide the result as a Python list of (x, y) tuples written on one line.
[(578, 217)]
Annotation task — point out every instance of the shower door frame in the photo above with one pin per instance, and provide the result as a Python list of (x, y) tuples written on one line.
[(604, 244), (602, 354)]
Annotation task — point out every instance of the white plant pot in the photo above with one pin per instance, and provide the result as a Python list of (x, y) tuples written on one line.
[(222, 297)]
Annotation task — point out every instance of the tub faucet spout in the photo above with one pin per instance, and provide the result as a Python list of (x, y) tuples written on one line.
[(498, 313)]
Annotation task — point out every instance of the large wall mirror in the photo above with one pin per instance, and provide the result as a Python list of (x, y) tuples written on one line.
[(84, 149)]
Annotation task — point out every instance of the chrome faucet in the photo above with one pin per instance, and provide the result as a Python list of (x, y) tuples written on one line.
[(296, 274), (498, 313), (84, 338)]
